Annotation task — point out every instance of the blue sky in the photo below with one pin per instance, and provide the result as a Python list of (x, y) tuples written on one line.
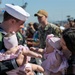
[(57, 9)]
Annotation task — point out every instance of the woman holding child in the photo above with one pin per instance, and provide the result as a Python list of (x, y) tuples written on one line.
[(68, 46)]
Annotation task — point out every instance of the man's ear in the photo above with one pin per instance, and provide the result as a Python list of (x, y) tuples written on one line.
[(12, 21)]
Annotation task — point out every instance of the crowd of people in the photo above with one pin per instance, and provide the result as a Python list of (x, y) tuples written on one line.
[(43, 48)]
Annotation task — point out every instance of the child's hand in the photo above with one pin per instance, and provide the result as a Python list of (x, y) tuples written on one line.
[(23, 73), (32, 48), (39, 56), (27, 70)]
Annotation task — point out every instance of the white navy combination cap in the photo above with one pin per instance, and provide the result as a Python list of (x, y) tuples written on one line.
[(17, 12)]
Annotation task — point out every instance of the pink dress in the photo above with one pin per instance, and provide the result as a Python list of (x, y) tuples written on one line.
[(50, 59), (4, 56), (11, 56)]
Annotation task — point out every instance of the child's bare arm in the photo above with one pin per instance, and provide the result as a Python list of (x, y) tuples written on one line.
[(31, 53), (38, 50), (37, 68), (13, 50)]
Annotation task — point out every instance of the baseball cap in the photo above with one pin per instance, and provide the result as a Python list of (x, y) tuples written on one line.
[(17, 12), (41, 13)]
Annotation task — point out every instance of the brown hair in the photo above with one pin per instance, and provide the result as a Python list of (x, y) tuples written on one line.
[(7, 16)]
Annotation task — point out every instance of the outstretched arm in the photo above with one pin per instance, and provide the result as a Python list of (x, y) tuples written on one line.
[(38, 50), (31, 53)]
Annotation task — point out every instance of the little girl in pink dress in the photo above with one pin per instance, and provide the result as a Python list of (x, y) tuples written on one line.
[(54, 62), (20, 52)]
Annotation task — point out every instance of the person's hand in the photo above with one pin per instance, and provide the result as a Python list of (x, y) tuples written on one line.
[(32, 48), (39, 56), (32, 27), (30, 73), (20, 72)]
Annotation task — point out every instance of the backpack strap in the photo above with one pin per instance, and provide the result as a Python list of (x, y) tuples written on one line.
[(21, 39), (1, 42)]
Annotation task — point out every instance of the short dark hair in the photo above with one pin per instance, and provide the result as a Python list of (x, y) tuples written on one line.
[(36, 25), (69, 38), (7, 16)]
